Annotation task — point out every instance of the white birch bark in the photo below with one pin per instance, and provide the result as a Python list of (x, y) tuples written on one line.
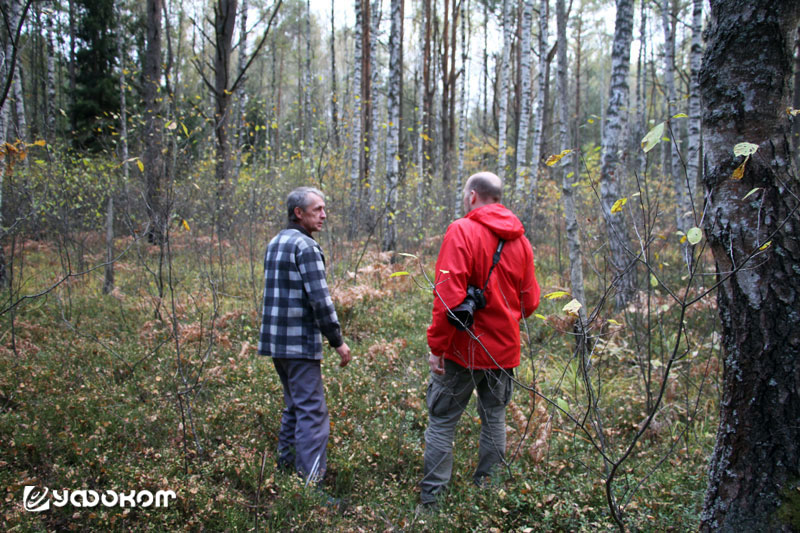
[(672, 164), (462, 114), (374, 108), (50, 82), (611, 168), (695, 105), (20, 123), (523, 169), (420, 118), (567, 190), (538, 112), (641, 92), (241, 94), (334, 92), (358, 144), (503, 97), (308, 121), (393, 137)]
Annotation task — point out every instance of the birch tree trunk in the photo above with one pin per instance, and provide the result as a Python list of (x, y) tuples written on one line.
[(224, 24), (523, 169), (567, 190), (641, 93), (393, 137), (152, 158), (695, 106), (20, 123), (374, 109), (334, 92), (754, 471), (623, 261), (503, 97), (50, 82), (462, 114), (538, 111), (308, 121), (241, 93), (358, 144), (672, 163)]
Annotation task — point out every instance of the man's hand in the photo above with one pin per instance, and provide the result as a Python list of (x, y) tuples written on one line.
[(436, 362), (344, 353)]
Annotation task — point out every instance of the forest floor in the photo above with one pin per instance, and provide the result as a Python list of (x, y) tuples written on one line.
[(134, 391)]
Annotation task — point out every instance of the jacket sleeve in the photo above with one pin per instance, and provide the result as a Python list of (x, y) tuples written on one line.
[(312, 269), (450, 287), (530, 287)]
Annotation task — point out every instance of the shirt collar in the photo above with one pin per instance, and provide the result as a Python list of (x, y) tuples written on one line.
[(298, 227)]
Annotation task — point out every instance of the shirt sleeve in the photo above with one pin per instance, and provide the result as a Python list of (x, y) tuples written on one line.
[(312, 269), (530, 287)]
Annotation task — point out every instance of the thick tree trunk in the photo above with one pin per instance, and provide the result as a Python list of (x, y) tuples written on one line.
[(152, 158), (393, 138), (17, 96), (50, 82), (612, 170), (754, 472), (374, 122)]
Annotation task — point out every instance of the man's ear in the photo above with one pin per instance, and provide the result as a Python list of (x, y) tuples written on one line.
[(298, 212)]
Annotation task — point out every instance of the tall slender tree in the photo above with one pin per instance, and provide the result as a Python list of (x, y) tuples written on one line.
[(503, 96), (754, 472), (539, 108), (152, 157), (357, 143), (525, 95), (622, 259), (395, 113)]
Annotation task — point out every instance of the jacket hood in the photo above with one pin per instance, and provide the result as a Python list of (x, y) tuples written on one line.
[(499, 219)]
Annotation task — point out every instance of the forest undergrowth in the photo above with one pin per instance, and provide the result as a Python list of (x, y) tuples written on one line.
[(139, 390)]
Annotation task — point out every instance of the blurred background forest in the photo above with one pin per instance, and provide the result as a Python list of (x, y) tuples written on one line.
[(148, 147)]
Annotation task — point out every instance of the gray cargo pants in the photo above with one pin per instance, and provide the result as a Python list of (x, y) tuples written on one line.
[(305, 425), (448, 396)]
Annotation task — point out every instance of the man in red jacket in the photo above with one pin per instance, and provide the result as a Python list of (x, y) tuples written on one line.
[(484, 356)]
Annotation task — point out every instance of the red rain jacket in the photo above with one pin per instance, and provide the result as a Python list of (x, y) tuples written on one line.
[(465, 259)]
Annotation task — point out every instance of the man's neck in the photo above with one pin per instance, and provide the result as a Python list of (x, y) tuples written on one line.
[(298, 227)]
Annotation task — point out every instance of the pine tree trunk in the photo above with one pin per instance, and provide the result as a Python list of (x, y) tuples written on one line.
[(393, 138), (623, 261), (523, 168), (503, 97), (754, 472), (567, 190)]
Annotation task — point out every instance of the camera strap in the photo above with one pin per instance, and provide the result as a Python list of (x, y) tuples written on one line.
[(495, 260)]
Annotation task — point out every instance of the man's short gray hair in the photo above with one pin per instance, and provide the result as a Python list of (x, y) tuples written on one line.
[(299, 198)]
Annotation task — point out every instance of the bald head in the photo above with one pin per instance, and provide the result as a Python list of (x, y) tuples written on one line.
[(488, 186)]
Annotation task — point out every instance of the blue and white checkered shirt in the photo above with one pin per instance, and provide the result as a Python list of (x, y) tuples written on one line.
[(298, 308)]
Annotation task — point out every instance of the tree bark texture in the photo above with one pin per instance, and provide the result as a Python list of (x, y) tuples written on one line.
[(393, 139), (523, 168), (567, 190), (224, 24), (538, 111), (754, 472), (612, 170), (357, 152), (503, 96), (152, 158)]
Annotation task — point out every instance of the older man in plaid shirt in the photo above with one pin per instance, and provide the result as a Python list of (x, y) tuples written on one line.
[(298, 311)]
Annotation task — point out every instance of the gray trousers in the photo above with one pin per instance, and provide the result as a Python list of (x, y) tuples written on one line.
[(305, 425), (448, 396)]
